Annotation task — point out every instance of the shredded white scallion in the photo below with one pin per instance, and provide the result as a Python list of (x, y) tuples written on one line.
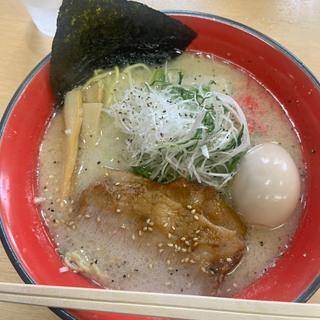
[(175, 130), (205, 151)]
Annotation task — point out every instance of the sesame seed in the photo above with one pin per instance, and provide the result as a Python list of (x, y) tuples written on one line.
[(145, 228), (166, 224), (193, 211), (212, 271), (184, 250), (169, 235), (198, 231), (98, 219), (151, 223), (170, 244), (150, 229), (229, 259), (173, 227), (182, 260), (195, 239), (161, 250), (160, 244), (123, 226), (106, 174), (118, 210), (148, 221), (140, 233), (187, 243), (117, 184), (189, 207), (196, 217), (195, 244), (168, 262), (87, 216), (118, 196), (133, 237), (183, 239), (203, 269), (192, 261), (187, 259)]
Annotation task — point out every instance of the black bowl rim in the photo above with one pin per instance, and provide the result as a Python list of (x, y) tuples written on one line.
[(314, 285)]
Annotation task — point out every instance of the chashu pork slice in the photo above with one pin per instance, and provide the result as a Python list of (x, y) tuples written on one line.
[(199, 227)]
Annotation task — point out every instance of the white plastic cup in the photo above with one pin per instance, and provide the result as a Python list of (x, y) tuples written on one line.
[(44, 14)]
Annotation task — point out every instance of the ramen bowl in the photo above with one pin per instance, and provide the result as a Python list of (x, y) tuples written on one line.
[(26, 240)]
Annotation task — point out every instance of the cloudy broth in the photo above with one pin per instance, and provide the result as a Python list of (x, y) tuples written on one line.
[(107, 249)]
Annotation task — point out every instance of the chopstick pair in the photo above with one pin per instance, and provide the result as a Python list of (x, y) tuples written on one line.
[(156, 304)]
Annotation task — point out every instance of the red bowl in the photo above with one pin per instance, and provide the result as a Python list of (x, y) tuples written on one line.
[(24, 236)]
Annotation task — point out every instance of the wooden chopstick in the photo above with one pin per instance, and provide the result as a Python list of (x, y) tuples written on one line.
[(156, 304)]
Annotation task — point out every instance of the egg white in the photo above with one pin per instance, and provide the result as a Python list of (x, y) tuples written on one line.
[(266, 188)]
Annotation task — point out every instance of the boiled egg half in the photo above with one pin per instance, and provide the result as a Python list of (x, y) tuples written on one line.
[(266, 189)]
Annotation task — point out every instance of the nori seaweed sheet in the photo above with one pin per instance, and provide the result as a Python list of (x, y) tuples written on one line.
[(94, 34)]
